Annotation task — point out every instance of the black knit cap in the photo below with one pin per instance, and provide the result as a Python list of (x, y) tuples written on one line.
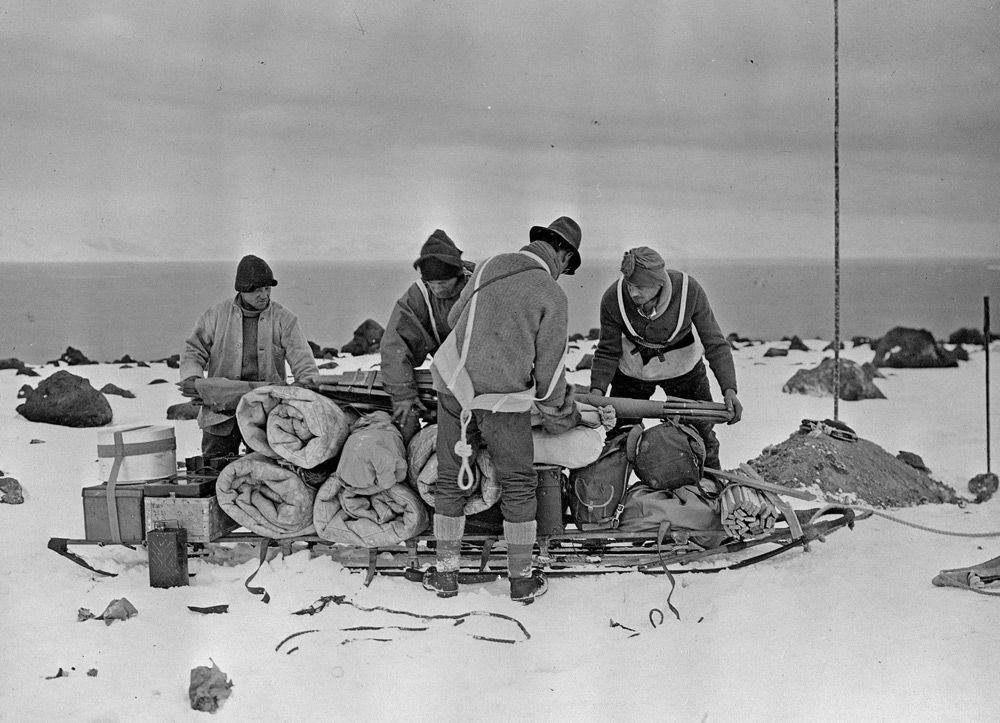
[(252, 273), (439, 258)]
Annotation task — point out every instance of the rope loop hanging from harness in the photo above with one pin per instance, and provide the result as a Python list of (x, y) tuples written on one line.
[(464, 451)]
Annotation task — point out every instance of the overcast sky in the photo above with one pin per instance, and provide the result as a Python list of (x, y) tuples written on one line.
[(145, 130)]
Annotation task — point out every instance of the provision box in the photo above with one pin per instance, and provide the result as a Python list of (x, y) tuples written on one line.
[(202, 517), (125, 506)]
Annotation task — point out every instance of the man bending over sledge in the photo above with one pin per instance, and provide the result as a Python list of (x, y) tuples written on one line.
[(656, 326), (247, 338), (505, 353)]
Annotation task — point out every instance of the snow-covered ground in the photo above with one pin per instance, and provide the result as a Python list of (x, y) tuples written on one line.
[(852, 630)]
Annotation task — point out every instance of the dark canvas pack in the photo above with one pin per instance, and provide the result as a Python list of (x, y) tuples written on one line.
[(667, 456), (595, 492)]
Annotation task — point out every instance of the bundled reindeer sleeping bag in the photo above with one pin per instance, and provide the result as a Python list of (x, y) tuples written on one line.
[(266, 498), (295, 424)]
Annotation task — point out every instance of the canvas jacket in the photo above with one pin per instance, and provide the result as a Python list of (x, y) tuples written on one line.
[(698, 316), (216, 347), (410, 336)]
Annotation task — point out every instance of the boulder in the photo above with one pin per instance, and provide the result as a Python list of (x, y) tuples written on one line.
[(11, 363), (871, 371), (776, 351), (904, 348), (796, 344), (594, 334), (912, 459), (159, 381), (67, 400), (857, 341), (572, 337), (586, 362), (10, 491), (25, 391), (967, 336), (125, 360), (367, 339), (185, 410), (831, 346), (74, 357), (142, 364), (110, 388), (323, 352), (328, 365), (173, 361), (960, 353), (27, 372), (818, 382)]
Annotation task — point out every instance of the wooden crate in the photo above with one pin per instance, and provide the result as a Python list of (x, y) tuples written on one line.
[(202, 517), (128, 508)]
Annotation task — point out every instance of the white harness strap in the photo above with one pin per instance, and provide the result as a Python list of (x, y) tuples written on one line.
[(430, 310), (680, 315)]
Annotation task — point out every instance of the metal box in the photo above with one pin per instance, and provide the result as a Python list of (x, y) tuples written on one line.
[(128, 507)]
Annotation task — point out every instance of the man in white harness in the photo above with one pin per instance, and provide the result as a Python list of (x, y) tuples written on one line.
[(506, 353), (419, 323), (656, 325)]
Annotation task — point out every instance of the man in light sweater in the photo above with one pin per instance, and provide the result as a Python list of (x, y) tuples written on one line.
[(505, 353), (247, 338), (656, 326)]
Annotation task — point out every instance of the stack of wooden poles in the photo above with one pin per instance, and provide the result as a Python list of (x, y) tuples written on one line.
[(746, 512)]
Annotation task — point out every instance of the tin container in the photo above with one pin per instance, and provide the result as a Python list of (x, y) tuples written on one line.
[(168, 560)]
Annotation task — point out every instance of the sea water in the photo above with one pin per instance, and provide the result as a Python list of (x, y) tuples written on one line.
[(147, 310)]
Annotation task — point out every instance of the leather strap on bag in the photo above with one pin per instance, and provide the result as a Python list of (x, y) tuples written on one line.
[(119, 446)]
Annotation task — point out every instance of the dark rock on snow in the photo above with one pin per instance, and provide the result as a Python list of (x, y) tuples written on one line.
[(914, 460), (67, 400), (185, 410), (37, 441), (74, 357), (857, 341), (159, 381), (577, 337), (871, 371), (27, 372), (367, 339), (970, 336), (125, 360), (173, 361), (10, 491), (323, 352), (796, 344), (904, 348), (586, 362), (776, 351), (831, 346), (110, 388), (854, 382), (594, 334), (24, 391), (142, 364), (960, 353), (11, 363), (328, 365)]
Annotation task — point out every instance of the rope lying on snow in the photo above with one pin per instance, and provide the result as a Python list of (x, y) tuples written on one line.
[(901, 521), (458, 619)]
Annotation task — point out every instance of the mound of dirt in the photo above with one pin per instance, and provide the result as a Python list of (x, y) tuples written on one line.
[(848, 472)]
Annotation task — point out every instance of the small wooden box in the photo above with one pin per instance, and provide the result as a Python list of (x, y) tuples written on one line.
[(202, 517), (128, 504)]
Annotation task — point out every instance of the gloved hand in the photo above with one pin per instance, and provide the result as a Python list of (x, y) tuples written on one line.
[(188, 388), (403, 409), (733, 405), (598, 392)]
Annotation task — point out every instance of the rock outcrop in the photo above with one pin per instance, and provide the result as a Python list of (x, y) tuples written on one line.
[(67, 400), (904, 348), (855, 382)]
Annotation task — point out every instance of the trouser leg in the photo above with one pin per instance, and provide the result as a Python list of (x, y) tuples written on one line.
[(507, 436), (221, 440), (449, 500)]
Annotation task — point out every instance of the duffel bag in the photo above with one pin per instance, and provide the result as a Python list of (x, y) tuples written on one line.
[(684, 509), (595, 492), (667, 456)]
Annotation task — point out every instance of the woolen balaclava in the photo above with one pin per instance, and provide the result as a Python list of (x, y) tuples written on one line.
[(642, 266), (252, 273), (439, 258)]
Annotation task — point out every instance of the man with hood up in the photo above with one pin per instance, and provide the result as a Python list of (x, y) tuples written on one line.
[(247, 338), (506, 353), (656, 326), (419, 323)]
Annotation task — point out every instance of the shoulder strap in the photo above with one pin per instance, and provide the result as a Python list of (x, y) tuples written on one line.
[(430, 310), (632, 443), (680, 315)]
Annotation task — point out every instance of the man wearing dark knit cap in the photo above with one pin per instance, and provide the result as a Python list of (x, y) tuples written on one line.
[(247, 338), (419, 323), (656, 327), (506, 354)]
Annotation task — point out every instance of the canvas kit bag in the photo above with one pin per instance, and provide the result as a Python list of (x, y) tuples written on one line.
[(595, 492), (667, 456)]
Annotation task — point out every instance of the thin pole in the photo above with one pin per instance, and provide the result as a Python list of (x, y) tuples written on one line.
[(836, 210), (986, 346)]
